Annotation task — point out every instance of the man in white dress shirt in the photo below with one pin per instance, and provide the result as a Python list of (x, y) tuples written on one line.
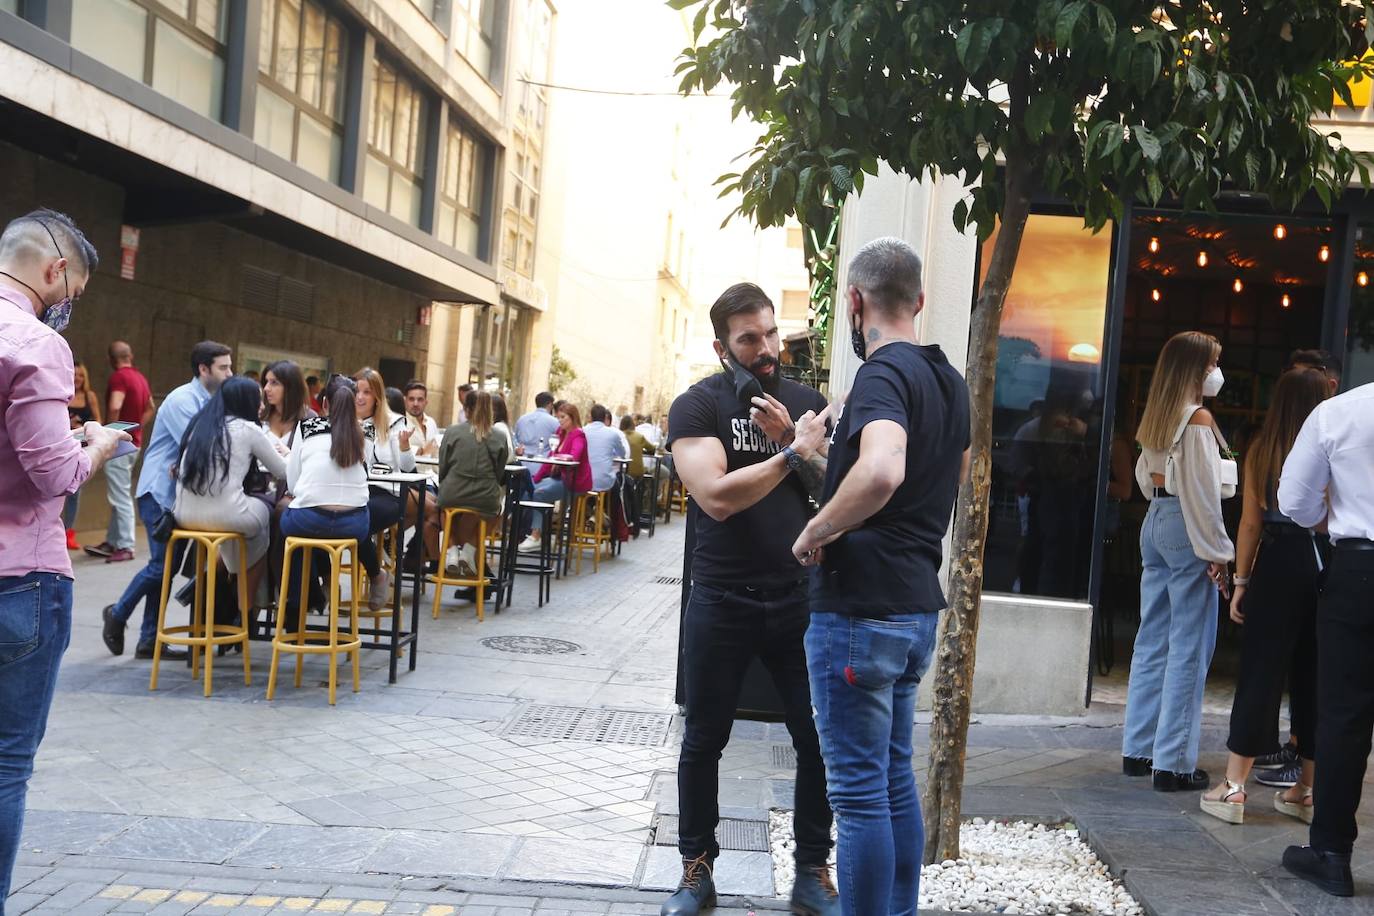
[(425, 434), (1329, 478)]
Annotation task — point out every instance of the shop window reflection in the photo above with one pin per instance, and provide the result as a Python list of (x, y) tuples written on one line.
[(1359, 355), (1047, 413)]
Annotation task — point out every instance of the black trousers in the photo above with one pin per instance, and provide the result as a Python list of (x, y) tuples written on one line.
[(1345, 694), (1279, 639), (725, 629)]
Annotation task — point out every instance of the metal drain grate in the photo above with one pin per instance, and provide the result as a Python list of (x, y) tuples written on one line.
[(785, 755), (530, 645), (667, 580), (733, 833), (601, 726)]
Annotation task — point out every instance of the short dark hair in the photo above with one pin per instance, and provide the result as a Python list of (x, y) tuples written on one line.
[(740, 299), (414, 384), (466, 387), (312, 379), (543, 399), (1316, 359), (395, 399), (627, 422), (19, 239), (600, 414), (205, 353)]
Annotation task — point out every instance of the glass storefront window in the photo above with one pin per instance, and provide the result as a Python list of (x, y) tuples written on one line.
[(1047, 413), (175, 46), (301, 65), (1359, 354)]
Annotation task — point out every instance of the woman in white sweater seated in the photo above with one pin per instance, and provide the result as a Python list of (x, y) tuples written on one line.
[(222, 444), (328, 484)]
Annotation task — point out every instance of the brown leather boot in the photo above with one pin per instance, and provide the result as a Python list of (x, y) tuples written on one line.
[(695, 892)]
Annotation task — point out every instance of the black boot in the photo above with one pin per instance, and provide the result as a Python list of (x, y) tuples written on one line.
[(695, 893), (1136, 766), (1166, 781), (814, 893), (1329, 871)]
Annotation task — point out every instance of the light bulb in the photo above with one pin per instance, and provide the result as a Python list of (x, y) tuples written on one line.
[(1236, 285), (1280, 231), (1362, 278), (1154, 244), (1154, 294), (1324, 253), (1202, 259), (1285, 301)]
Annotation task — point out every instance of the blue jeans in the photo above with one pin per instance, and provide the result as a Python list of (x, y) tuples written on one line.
[(547, 490), (1173, 647), (325, 523), (863, 687), (147, 583), (35, 627)]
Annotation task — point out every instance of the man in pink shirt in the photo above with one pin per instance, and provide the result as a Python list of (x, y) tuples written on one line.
[(45, 262)]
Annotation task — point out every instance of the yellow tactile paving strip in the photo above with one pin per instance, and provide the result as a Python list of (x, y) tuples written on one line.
[(207, 902)]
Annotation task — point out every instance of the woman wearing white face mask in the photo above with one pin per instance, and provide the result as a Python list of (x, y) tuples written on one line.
[(1186, 555)]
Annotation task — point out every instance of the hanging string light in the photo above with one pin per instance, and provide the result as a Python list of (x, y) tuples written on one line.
[(1362, 278), (1202, 257), (1154, 294), (1324, 253), (1286, 301), (1280, 231), (1236, 285), (1154, 244)]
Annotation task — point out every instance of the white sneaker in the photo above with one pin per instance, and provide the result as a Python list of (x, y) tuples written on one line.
[(380, 592), (529, 545), (451, 561)]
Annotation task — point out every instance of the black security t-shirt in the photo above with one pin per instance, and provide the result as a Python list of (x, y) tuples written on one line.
[(753, 547), (891, 564)]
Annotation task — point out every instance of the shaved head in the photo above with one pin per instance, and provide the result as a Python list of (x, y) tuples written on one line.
[(121, 354), (30, 239)]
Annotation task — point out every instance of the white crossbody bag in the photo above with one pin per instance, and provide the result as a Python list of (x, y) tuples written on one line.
[(1230, 476)]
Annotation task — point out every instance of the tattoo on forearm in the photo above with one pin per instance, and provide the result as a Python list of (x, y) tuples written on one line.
[(812, 474)]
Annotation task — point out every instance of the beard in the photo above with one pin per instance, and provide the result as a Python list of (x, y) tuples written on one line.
[(771, 381)]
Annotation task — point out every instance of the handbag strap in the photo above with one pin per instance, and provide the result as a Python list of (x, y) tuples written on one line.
[(1188, 420)]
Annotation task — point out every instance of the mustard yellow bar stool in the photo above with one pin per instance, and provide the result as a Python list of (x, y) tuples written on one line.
[(590, 528), (302, 642), (203, 633), (442, 578)]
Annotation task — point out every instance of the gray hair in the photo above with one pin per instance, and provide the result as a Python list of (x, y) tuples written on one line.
[(888, 272), (32, 236)]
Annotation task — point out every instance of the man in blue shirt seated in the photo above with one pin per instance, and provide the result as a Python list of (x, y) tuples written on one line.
[(603, 444)]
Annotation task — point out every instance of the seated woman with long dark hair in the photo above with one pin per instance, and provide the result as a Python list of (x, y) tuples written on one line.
[(328, 483), (286, 400), (221, 445)]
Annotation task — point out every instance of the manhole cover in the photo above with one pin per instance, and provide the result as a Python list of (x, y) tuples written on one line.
[(733, 833), (600, 726), (667, 580), (530, 645), (784, 755)]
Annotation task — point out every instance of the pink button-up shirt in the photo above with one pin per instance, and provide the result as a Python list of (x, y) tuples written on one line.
[(40, 462)]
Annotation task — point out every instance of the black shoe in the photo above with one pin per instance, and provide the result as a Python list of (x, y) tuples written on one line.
[(169, 654), (695, 892), (1136, 766), (112, 631), (1285, 756), (1285, 777), (1180, 782), (814, 893), (1329, 871)]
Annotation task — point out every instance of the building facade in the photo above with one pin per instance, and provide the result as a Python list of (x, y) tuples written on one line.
[(322, 180)]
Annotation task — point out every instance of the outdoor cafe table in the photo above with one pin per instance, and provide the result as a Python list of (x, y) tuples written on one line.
[(565, 540), (397, 637)]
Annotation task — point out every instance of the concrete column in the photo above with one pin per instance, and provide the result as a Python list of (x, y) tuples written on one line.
[(357, 114), (241, 67)]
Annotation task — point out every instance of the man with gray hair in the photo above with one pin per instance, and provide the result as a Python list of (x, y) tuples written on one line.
[(45, 263), (875, 591)]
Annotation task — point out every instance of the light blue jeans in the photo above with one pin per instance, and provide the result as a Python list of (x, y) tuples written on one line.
[(1173, 648), (119, 474)]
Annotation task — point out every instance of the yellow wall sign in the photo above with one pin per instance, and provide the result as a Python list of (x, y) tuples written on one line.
[(1361, 88)]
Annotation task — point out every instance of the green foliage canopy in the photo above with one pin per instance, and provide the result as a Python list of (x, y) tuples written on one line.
[(1101, 100)]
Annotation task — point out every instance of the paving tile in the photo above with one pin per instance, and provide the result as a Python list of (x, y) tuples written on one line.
[(344, 849), (1174, 892), (575, 861), (180, 839), (70, 831), (433, 853)]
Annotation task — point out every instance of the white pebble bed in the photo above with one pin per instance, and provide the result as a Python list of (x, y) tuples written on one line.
[(1007, 867)]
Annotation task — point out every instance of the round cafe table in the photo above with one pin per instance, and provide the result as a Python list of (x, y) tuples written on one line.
[(564, 529)]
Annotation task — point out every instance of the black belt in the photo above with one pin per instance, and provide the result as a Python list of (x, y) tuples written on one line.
[(1354, 544), (1161, 493), (767, 593), (1285, 529)]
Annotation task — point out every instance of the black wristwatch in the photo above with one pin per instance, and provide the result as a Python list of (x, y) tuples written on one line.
[(794, 461)]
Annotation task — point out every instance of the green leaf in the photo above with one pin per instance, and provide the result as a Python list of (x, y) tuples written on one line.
[(972, 43), (681, 4), (1106, 24), (1145, 66), (1156, 189), (1149, 144), (841, 179), (699, 23), (1038, 115), (1067, 21)]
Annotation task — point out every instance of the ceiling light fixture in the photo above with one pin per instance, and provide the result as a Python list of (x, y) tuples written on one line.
[(1286, 301), (1154, 244), (1280, 231), (1236, 285), (1362, 278), (1324, 253), (1202, 257), (1154, 294)]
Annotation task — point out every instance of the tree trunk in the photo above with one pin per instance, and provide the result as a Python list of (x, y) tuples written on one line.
[(953, 684)]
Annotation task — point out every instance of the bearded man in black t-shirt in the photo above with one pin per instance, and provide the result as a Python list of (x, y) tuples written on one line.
[(749, 445)]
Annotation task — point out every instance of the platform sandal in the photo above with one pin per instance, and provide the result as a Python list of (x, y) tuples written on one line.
[(1299, 809), (1224, 809)]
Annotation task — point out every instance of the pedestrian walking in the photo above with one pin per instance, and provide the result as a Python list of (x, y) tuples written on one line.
[(83, 408), (1186, 555), (1278, 569), (747, 443), (1326, 480), (875, 547), (211, 365), (128, 400), (45, 264)]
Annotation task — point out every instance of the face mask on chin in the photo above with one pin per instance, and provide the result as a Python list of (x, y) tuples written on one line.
[(1211, 385)]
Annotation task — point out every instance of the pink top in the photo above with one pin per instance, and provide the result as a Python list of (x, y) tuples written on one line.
[(40, 462), (574, 448)]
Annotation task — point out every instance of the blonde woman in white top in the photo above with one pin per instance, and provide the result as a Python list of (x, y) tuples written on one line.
[(1186, 554)]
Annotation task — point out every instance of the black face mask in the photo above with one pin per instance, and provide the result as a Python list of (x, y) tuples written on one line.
[(748, 385)]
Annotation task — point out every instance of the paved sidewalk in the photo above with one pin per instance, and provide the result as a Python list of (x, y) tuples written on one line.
[(523, 768)]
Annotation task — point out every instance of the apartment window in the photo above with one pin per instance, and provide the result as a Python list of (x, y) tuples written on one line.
[(462, 189), (301, 60), (795, 303), (175, 46), (396, 143), (474, 24), (522, 203), (795, 238)]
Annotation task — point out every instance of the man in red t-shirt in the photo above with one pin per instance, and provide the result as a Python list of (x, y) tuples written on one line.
[(127, 399)]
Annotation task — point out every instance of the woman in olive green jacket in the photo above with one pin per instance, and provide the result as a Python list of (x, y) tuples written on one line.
[(472, 471)]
